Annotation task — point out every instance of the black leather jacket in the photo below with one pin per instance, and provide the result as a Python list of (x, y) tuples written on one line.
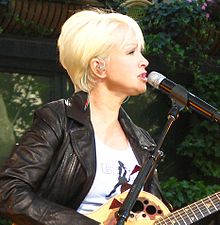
[(52, 168)]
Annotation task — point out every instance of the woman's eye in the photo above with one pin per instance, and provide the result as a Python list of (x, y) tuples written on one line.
[(131, 52)]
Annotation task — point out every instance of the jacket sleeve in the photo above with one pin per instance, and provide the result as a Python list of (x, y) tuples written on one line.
[(23, 172)]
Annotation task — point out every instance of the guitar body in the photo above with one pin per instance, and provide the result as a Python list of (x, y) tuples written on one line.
[(149, 210), (145, 211)]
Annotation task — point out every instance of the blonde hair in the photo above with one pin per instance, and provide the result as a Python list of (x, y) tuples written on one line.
[(88, 34)]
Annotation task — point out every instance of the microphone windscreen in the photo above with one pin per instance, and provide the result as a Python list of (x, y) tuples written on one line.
[(155, 78)]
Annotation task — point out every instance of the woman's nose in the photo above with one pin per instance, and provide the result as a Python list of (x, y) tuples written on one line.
[(144, 62)]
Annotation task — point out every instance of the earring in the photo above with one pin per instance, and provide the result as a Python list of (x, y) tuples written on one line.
[(101, 67)]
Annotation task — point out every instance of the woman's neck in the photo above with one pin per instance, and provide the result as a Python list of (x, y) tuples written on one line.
[(104, 111)]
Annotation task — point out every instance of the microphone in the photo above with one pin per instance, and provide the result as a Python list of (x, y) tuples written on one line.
[(168, 87)]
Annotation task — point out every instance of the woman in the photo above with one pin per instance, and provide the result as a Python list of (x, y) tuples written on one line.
[(80, 152)]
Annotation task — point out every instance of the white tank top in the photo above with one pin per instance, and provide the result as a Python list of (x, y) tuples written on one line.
[(113, 169)]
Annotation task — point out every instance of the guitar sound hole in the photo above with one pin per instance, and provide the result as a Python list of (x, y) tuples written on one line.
[(146, 202), (151, 209), (131, 215), (138, 207), (159, 211)]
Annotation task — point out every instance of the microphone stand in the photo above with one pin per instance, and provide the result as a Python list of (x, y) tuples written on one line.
[(149, 166)]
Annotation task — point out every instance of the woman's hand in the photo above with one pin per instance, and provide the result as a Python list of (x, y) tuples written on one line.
[(111, 220)]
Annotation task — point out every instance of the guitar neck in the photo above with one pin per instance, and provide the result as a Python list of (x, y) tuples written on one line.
[(194, 212)]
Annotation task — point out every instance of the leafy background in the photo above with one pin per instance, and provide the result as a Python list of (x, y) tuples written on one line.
[(180, 43)]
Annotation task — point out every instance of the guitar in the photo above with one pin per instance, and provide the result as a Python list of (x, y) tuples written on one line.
[(149, 210)]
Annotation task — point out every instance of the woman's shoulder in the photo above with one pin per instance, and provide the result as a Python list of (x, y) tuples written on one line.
[(56, 105), (52, 113)]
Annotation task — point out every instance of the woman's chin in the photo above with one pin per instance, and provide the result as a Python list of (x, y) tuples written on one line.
[(139, 91)]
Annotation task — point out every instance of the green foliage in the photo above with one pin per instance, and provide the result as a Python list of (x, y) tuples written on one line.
[(29, 27), (5, 222), (213, 8), (184, 192), (115, 5), (180, 30), (7, 138), (22, 95), (202, 144)]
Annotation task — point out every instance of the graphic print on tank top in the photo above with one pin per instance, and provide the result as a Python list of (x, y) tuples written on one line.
[(123, 178), (115, 173)]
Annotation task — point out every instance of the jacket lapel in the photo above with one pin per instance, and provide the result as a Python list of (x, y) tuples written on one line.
[(141, 142), (81, 133)]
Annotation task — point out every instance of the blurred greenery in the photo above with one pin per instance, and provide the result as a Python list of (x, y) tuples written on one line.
[(22, 94), (185, 192), (5, 222), (181, 42)]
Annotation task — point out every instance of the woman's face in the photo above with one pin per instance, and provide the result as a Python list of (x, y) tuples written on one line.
[(125, 68)]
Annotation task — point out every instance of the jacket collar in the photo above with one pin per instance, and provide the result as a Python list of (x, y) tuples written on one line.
[(75, 107), (77, 110)]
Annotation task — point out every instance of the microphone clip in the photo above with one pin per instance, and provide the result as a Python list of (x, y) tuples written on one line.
[(179, 97)]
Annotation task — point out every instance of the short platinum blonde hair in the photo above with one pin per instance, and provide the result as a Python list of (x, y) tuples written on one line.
[(89, 34)]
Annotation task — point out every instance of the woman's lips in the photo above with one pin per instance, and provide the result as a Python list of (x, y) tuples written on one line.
[(143, 76)]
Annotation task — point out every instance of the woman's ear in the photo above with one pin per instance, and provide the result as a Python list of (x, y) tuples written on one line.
[(97, 66)]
